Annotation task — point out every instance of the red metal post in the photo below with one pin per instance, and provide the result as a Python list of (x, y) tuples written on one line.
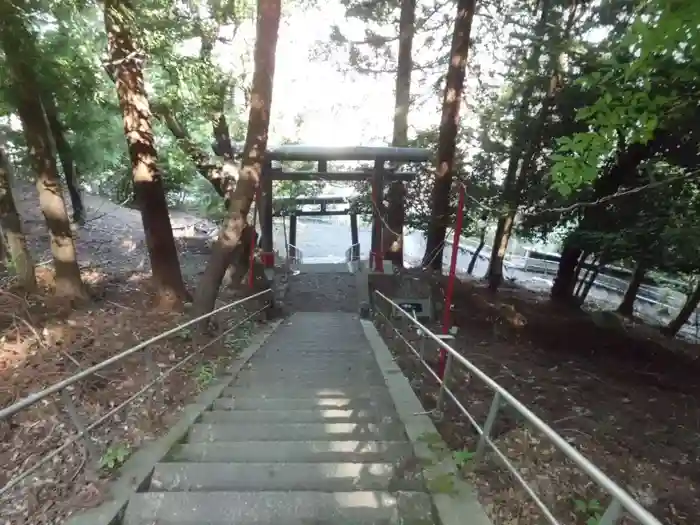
[(449, 292)]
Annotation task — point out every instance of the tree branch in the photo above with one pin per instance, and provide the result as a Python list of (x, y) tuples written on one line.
[(221, 174)]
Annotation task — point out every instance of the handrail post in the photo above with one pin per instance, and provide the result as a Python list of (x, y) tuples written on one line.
[(488, 425), (90, 447), (612, 514), (151, 371), (449, 291), (444, 383)]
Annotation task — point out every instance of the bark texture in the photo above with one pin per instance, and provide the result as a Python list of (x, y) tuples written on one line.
[(221, 175), (504, 226), (393, 235), (475, 255), (447, 141), (241, 199), (691, 303), (19, 46), (623, 172), (65, 156), (148, 183), (11, 236), (626, 307), (533, 138)]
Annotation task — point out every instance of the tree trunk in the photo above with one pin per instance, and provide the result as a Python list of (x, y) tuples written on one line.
[(447, 141), (393, 235), (286, 240), (65, 156), (268, 19), (18, 44), (148, 183), (623, 172), (591, 277), (565, 280), (626, 307), (222, 176), (691, 303), (511, 188), (222, 146), (239, 262), (504, 228), (580, 281), (11, 235), (579, 266), (475, 255)]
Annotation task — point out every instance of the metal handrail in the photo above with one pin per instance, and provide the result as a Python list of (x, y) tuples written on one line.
[(38, 396), (350, 253), (298, 256), (620, 498), (82, 432)]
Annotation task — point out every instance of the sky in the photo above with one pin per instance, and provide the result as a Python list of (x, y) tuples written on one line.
[(335, 109), (315, 103)]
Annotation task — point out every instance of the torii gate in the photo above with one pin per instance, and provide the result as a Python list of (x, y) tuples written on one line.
[(281, 208), (379, 175)]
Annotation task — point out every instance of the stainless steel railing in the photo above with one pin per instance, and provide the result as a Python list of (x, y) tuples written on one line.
[(295, 257), (155, 378), (352, 257), (353, 253), (621, 501)]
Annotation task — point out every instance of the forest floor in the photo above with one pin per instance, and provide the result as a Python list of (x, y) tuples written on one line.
[(624, 396), (43, 340)]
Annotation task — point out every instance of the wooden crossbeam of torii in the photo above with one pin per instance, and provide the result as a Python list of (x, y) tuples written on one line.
[(385, 162), (284, 207)]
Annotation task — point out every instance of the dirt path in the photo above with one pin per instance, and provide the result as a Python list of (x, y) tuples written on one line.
[(112, 241)]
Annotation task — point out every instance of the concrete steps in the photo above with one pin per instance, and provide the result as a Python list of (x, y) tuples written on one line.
[(294, 441), (302, 403), (300, 416), (297, 451), (250, 477), (222, 431), (282, 391), (279, 508)]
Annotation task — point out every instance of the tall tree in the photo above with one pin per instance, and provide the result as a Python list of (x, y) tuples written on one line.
[(626, 307), (241, 199), (690, 305), (126, 64), (65, 156), (11, 233), (447, 142), (520, 140), (393, 237), (20, 53)]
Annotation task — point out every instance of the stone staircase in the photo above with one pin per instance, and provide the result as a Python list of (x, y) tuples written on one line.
[(306, 435)]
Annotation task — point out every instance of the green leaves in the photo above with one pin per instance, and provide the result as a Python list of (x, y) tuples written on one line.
[(590, 510), (115, 456), (636, 96), (577, 160)]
